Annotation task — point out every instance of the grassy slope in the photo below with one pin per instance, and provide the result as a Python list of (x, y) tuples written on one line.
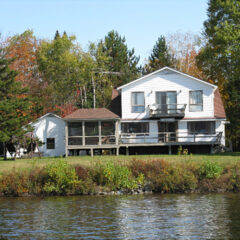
[(21, 164)]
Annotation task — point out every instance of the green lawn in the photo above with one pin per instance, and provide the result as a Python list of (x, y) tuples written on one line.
[(20, 164)]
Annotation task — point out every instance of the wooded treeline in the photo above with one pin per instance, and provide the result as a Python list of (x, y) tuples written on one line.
[(58, 75)]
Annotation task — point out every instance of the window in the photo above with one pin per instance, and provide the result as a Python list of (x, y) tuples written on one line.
[(195, 101), (137, 127), (50, 143), (74, 129), (201, 127), (138, 103)]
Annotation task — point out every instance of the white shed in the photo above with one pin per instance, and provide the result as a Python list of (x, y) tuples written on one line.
[(50, 129)]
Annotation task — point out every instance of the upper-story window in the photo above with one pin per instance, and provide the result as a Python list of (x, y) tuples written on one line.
[(196, 101), (138, 102)]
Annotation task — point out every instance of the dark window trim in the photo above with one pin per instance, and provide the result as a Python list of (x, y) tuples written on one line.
[(50, 145), (137, 105), (205, 133), (145, 133)]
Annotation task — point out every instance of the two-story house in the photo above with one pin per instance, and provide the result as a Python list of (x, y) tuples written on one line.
[(167, 109), (156, 113)]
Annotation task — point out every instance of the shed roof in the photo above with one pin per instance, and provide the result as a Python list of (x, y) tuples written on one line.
[(91, 113)]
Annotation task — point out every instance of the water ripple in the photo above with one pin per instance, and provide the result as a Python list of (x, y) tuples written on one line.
[(212, 216)]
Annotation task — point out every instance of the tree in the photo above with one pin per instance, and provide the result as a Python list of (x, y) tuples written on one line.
[(57, 35), (184, 46), (160, 57), (59, 67), (220, 58), (22, 50), (120, 59), (14, 105)]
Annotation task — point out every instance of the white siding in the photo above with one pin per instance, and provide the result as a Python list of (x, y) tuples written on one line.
[(51, 127), (167, 81)]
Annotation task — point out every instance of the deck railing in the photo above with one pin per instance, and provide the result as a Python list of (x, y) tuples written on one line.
[(167, 110), (169, 137), (91, 140)]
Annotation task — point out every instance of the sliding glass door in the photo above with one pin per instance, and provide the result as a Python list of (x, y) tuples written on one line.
[(167, 102)]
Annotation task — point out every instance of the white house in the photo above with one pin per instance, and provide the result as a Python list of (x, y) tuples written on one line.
[(50, 129), (169, 108), (155, 113)]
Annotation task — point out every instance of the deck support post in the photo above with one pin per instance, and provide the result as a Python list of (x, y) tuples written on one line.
[(66, 139), (117, 151), (83, 133), (211, 150), (170, 150), (127, 151), (91, 150)]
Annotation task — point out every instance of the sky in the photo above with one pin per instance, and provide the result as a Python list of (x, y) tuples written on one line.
[(140, 21)]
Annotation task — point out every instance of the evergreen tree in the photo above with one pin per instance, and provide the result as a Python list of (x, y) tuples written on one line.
[(57, 35), (220, 57), (122, 64), (14, 105), (160, 57)]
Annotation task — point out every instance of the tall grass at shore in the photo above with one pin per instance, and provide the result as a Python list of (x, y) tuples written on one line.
[(158, 175)]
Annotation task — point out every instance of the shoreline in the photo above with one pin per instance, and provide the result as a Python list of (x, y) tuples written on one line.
[(115, 178)]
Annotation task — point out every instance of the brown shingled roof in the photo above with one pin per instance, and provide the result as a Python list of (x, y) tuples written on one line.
[(92, 113), (219, 111), (116, 105)]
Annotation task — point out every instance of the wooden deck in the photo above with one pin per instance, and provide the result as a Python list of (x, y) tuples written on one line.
[(129, 140)]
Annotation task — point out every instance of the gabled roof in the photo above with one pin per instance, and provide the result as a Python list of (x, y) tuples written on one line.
[(46, 115), (170, 69), (92, 113)]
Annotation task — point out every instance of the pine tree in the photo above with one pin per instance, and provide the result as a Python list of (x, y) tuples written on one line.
[(220, 58), (57, 35), (14, 105), (160, 57), (122, 61)]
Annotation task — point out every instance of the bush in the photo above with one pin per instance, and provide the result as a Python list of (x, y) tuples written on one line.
[(210, 170), (14, 184), (116, 177), (61, 178)]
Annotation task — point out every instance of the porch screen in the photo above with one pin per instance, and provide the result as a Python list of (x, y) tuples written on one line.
[(201, 127), (108, 128), (138, 102), (138, 127), (195, 101), (91, 128)]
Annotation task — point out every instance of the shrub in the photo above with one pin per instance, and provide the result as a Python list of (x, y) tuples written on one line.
[(210, 170), (82, 172), (14, 183), (235, 177), (148, 168), (61, 178), (118, 177)]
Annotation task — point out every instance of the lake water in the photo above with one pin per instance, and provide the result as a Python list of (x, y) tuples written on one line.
[(193, 216)]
